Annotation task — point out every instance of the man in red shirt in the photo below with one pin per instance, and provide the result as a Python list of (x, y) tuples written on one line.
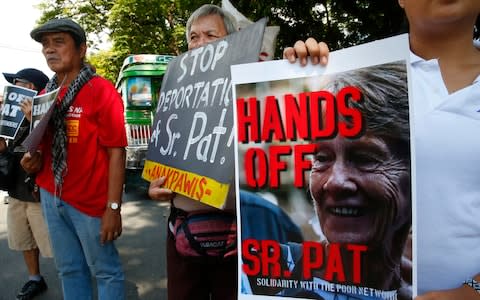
[(80, 166)]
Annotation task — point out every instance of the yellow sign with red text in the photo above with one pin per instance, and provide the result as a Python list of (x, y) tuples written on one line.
[(192, 185)]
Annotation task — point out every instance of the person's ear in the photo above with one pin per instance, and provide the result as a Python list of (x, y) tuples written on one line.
[(83, 50), (401, 3)]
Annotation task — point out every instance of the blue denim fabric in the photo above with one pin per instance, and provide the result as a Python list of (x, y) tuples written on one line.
[(78, 254)]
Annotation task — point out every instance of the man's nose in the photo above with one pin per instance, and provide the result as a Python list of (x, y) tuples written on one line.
[(47, 49), (202, 41)]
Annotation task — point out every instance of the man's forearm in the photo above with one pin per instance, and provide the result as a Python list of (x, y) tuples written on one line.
[(116, 174)]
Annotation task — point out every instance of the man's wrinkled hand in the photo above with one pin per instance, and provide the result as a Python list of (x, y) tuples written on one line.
[(26, 107), (111, 227), (317, 51), (32, 163), (156, 191)]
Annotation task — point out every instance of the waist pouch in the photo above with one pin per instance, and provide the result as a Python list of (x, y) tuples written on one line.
[(210, 234)]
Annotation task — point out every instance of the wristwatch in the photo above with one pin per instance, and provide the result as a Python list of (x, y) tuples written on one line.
[(473, 284), (113, 205)]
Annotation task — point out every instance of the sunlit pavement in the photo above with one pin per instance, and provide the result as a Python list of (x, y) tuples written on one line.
[(141, 248)]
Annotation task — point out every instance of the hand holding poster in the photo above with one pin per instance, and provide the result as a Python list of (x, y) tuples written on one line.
[(346, 127), (11, 114), (192, 136)]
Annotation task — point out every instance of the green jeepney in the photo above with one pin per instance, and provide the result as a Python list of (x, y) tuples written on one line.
[(139, 83)]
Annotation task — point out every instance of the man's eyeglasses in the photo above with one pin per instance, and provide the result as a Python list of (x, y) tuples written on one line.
[(20, 80)]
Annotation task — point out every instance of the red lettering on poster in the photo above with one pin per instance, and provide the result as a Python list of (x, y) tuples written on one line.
[(263, 258), (339, 263), (262, 169), (308, 116)]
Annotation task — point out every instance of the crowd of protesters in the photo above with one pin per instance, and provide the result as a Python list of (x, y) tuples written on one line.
[(78, 169)]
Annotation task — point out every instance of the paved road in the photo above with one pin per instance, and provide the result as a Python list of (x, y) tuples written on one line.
[(141, 248)]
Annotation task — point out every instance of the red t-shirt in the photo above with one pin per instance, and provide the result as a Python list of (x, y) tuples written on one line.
[(94, 122)]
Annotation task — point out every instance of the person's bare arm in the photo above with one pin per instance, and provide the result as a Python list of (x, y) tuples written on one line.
[(111, 227), (463, 292)]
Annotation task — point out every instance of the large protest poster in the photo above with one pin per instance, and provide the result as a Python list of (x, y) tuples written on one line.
[(330, 147), (192, 133), (11, 113)]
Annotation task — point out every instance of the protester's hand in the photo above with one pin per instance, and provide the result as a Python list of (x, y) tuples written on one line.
[(111, 228), (464, 292), (3, 145), (156, 191), (26, 107), (32, 163), (318, 51)]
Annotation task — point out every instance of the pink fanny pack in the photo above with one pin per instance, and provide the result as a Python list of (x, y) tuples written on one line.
[(210, 233)]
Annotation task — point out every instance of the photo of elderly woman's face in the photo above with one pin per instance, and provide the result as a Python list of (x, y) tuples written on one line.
[(361, 191)]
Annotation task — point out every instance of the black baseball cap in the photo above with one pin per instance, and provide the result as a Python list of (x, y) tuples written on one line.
[(60, 25), (37, 77)]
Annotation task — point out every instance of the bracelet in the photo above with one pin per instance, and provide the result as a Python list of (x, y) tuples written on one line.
[(473, 284)]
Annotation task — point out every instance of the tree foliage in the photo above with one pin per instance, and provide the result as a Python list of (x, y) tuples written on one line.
[(102, 62), (337, 22), (91, 14), (158, 26)]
